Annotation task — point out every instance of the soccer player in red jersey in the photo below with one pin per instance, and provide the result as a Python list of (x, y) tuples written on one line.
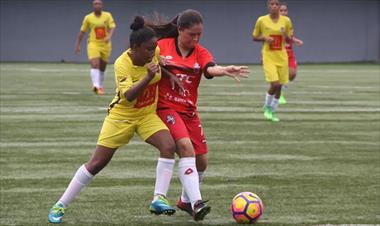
[(289, 49), (187, 60)]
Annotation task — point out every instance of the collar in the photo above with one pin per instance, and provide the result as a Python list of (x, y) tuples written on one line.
[(178, 51)]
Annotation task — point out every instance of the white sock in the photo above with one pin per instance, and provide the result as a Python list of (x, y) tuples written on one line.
[(95, 74), (81, 178), (184, 197), (189, 178), (274, 104), (164, 174), (268, 99), (101, 78)]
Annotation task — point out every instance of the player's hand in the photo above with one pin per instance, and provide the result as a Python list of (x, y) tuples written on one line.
[(153, 69), (298, 42), (77, 50), (237, 72), (268, 40), (162, 61), (175, 82), (106, 39)]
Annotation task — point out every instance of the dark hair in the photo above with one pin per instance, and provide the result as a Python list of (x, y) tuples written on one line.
[(284, 3), (183, 20), (140, 33)]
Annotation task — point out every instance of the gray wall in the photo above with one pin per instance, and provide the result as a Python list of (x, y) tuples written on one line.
[(333, 30)]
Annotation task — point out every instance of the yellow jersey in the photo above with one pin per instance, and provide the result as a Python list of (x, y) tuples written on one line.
[(98, 26), (127, 75), (274, 53)]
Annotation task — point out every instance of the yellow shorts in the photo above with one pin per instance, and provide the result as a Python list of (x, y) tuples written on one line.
[(116, 133), (276, 73), (99, 50)]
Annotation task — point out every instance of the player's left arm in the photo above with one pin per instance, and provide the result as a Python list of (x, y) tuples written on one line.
[(287, 30), (111, 28), (211, 69), (297, 41), (232, 71)]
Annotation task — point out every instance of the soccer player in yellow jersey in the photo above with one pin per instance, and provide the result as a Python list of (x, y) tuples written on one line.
[(274, 31), (101, 27), (133, 109)]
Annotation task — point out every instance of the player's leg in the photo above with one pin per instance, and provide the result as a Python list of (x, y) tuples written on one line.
[(271, 76), (81, 179), (153, 131), (198, 140), (292, 75), (187, 172), (113, 135), (104, 58), (283, 75), (93, 52)]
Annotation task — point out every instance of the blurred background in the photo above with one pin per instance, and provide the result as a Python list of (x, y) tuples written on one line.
[(332, 30)]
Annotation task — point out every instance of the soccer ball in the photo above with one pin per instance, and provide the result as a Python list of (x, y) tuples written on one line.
[(246, 208)]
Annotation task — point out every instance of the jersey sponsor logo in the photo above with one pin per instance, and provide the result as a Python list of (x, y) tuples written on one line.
[(148, 97), (100, 32), (189, 171), (185, 78), (197, 67), (277, 42), (170, 119)]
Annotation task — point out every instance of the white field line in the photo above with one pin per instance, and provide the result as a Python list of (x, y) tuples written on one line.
[(33, 69), (110, 69), (324, 71), (87, 109), (87, 143), (249, 109), (292, 88)]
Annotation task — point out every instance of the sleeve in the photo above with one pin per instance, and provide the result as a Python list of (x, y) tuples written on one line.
[(205, 60), (257, 30), (289, 28), (85, 24), (111, 22), (123, 81), (156, 58)]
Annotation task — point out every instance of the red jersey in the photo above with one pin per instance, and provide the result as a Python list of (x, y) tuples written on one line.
[(189, 70)]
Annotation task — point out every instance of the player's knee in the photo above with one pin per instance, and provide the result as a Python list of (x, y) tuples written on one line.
[(292, 76), (95, 166), (168, 149), (276, 86), (185, 149)]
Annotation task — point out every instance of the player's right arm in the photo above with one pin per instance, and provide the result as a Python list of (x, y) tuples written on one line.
[(258, 34), (124, 81), (132, 93), (81, 33)]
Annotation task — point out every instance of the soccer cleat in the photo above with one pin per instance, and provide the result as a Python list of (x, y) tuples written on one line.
[(161, 206), (274, 117), (100, 91), (268, 112), (200, 210), (282, 100), (184, 206), (95, 90), (56, 213)]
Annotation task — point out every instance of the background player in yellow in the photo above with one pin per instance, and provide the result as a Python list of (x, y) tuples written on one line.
[(133, 109), (101, 27), (273, 30)]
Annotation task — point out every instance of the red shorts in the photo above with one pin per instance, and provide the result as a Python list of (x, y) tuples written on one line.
[(185, 125), (292, 60)]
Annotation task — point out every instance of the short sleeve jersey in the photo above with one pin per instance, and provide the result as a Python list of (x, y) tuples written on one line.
[(98, 26), (188, 69), (275, 52), (127, 75)]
